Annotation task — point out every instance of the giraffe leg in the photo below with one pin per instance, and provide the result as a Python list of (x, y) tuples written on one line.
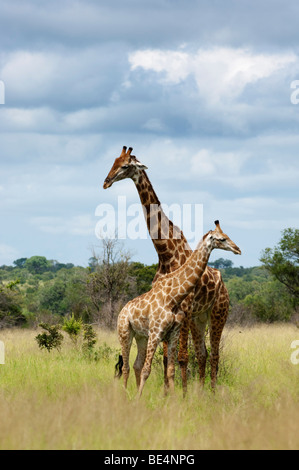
[(173, 338), (165, 361), (125, 335), (218, 319), (215, 336), (139, 362), (183, 357), (172, 347), (152, 345), (198, 330), (126, 356)]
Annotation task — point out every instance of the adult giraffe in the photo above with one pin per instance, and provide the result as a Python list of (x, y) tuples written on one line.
[(209, 301), (157, 314)]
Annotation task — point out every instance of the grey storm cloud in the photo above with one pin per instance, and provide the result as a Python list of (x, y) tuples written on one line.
[(200, 89), (72, 59), (141, 22)]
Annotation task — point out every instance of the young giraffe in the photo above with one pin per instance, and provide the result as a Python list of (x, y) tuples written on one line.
[(157, 314), (209, 301)]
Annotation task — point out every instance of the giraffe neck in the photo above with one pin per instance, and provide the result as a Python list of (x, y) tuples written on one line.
[(169, 241), (188, 275), (145, 190)]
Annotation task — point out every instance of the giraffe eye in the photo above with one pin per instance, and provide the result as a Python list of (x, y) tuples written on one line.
[(125, 167), (222, 239)]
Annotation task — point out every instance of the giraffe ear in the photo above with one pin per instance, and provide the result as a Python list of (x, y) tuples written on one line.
[(141, 166), (137, 163)]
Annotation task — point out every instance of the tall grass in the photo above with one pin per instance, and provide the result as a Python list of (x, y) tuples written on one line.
[(63, 400)]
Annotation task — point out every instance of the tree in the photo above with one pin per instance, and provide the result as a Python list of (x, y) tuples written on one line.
[(109, 283), (143, 276), (55, 265), (37, 264), (221, 263), (76, 296), (239, 288), (282, 261), (93, 263), (51, 297), (270, 302), (10, 305), (20, 263)]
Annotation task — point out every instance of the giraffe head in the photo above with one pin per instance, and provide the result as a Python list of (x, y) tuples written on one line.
[(125, 166), (217, 239)]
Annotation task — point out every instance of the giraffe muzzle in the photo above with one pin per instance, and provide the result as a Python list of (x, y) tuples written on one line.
[(107, 183), (236, 250)]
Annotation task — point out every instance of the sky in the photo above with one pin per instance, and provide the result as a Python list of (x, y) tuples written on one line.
[(204, 91)]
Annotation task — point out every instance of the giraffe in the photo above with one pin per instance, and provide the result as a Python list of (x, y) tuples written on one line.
[(169, 241), (209, 302), (157, 314)]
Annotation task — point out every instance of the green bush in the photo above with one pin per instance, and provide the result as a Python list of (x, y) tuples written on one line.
[(52, 339), (73, 327)]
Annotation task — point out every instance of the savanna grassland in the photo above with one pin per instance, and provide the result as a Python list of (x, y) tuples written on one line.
[(66, 400)]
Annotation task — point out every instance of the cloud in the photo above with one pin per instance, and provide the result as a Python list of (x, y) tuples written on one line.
[(155, 24), (220, 73), (254, 213), (217, 165), (206, 107), (276, 176), (29, 73), (80, 225), (63, 79), (155, 125)]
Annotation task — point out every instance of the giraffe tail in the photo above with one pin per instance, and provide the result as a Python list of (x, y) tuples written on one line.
[(119, 367)]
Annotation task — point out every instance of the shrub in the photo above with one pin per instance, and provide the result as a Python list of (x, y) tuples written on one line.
[(50, 340), (73, 327), (89, 338)]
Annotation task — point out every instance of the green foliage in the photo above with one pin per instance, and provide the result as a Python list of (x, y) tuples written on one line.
[(76, 297), (239, 288), (10, 305), (259, 295), (52, 339), (143, 275), (221, 263), (76, 329), (20, 263), (283, 261), (73, 327), (12, 284), (36, 289), (89, 338), (104, 352), (37, 264), (270, 302), (52, 296)]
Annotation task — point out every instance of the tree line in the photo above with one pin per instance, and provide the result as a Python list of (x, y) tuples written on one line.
[(36, 289)]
